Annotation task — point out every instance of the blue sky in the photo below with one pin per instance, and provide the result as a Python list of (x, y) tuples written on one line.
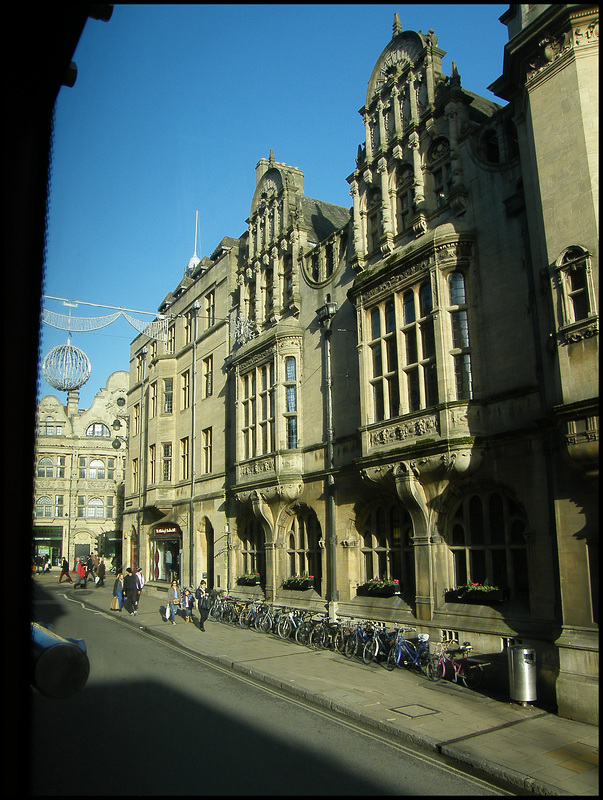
[(173, 107)]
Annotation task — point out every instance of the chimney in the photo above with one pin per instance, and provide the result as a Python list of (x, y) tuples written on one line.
[(73, 401)]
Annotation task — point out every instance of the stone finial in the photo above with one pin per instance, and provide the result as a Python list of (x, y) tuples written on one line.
[(397, 24), (455, 78), (271, 156)]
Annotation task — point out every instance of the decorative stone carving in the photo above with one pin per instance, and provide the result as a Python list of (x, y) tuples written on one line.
[(404, 430)]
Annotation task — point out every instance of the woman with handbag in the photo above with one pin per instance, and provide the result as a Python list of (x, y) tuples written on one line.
[(204, 599), (174, 600), (118, 593)]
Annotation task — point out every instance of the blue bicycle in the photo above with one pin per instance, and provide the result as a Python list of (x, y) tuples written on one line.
[(407, 653)]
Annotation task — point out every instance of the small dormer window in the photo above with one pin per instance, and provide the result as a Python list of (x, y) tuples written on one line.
[(574, 294)]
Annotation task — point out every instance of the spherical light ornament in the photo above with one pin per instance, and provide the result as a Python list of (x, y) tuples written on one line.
[(66, 368)]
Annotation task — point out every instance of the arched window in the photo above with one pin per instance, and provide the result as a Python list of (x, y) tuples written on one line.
[(98, 429), (45, 468), (440, 169), (384, 361), (387, 548), (96, 469), (252, 548), (420, 385), (43, 507), (487, 540), (303, 549), (404, 197), (291, 402), (459, 326), (374, 226)]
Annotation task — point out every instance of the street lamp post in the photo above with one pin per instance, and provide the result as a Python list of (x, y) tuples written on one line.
[(325, 316)]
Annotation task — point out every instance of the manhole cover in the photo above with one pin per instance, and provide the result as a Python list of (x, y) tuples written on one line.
[(414, 711)]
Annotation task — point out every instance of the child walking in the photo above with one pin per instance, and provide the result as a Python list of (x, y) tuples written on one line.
[(187, 604)]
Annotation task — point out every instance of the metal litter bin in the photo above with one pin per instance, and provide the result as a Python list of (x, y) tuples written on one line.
[(522, 674)]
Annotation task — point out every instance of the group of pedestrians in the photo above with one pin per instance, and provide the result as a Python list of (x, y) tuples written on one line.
[(92, 569), (183, 598), (128, 589)]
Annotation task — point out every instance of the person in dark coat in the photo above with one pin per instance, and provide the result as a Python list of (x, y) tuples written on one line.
[(100, 571), (130, 591), (65, 571), (202, 596)]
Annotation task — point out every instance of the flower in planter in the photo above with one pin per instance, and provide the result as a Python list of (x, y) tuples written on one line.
[(297, 580), (470, 586), (380, 583), (249, 577)]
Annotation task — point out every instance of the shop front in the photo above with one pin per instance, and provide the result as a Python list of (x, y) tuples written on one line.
[(166, 553), (48, 541)]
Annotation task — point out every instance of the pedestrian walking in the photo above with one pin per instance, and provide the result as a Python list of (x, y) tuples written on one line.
[(130, 591), (188, 602), (118, 590), (81, 575), (204, 603), (65, 571), (140, 581), (100, 573), (174, 600)]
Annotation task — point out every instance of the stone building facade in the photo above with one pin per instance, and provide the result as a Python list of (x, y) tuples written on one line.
[(80, 464), (404, 389)]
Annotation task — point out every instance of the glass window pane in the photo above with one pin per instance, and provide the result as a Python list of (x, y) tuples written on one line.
[(413, 390), (425, 302), (290, 368), (392, 355), (476, 520), (456, 285), (375, 324), (460, 329), (377, 362), (409, 307), (390, 317), (378, 401), (411, 346), (427, 339)]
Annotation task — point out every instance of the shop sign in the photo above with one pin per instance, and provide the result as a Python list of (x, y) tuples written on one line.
[(166, 530)]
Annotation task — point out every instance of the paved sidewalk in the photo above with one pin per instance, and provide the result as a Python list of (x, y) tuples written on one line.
[(528, 747)]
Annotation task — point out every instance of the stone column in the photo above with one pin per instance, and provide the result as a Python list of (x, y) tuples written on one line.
[(366, 117)]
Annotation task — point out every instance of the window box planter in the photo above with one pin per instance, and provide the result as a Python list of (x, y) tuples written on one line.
[(248, 580), (306, 583), (477, 597), (368, 590)]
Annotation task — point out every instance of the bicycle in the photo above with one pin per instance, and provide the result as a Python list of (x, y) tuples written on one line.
[(356, 641), (327, 634), (290, 624), (378, 645), (405, 653), (251, 613), (469, 671)]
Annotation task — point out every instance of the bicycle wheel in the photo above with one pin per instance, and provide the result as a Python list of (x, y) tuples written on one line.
[(264, 623), (351, 646), (318, 638), (302, 634), (284, 627), (340, 639), (393, 657), (370, 650), (472, 675), (435, 669)]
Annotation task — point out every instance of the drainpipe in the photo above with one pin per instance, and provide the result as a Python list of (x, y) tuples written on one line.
[(325, 316), (191, 514)]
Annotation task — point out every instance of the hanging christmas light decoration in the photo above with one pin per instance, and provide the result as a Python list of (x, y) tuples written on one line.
[(66, 367)]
